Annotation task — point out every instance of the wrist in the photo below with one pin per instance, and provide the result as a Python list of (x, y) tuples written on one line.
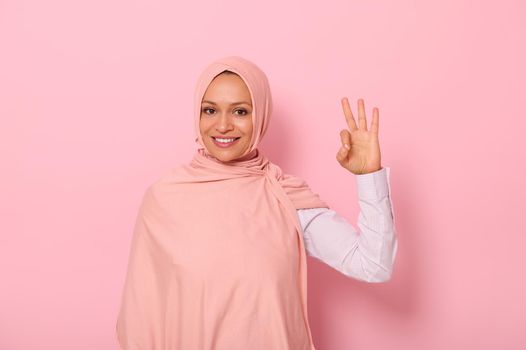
[(369, 172)]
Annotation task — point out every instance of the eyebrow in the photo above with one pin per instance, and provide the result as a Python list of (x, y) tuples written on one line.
[(232, 104)]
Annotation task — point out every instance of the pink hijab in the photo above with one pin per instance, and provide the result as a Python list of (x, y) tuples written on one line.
[(217, 258)]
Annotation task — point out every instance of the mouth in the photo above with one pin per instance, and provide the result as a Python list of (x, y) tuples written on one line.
[(225, 142)]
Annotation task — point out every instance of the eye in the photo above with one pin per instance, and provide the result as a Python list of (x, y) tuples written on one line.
[(204, 110), (243, 111)]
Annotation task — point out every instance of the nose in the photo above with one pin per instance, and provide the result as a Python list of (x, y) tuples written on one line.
[(224, 122)]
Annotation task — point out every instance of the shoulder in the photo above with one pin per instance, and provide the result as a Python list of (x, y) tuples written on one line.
[(166, 182)]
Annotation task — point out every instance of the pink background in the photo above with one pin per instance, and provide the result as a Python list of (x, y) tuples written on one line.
[(96, 103)]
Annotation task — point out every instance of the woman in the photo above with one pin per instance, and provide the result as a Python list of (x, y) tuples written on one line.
[(218, 258)]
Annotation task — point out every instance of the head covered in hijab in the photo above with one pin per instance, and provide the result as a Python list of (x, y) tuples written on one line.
[(257, 84)]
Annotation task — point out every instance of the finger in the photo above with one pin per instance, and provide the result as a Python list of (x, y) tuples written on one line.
[(362, 122), (345, 136), (376, 120), (342, 154), (348, 114)]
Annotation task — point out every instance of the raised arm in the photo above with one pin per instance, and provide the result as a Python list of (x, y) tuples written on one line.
[(367, 253)]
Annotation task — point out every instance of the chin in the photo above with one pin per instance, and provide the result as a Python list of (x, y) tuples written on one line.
[(224, 156), (227, 158)]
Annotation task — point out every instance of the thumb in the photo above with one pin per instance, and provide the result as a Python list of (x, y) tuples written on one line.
[(345, 136), (342, 154)]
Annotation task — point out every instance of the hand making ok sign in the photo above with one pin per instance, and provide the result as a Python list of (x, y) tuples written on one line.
[(360, 150)]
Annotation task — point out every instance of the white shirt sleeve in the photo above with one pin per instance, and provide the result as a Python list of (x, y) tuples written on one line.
[(367, 255)]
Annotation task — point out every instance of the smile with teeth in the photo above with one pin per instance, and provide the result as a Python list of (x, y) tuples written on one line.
[(225, 141)]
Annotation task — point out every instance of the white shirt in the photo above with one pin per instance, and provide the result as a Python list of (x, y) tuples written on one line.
[(368, 254)]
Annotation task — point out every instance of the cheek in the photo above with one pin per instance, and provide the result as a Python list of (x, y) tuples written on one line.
[(246, 126), (203, 126)]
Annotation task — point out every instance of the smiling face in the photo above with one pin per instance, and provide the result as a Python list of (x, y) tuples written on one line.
[(226, 114)]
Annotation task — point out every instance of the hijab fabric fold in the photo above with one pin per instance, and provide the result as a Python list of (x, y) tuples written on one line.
[(217, 258)]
